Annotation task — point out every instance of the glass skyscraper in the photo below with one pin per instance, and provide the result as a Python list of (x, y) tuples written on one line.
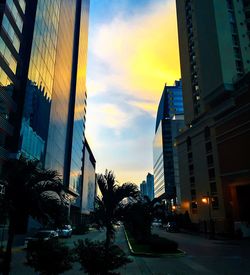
[(43, 61), (169, 121)]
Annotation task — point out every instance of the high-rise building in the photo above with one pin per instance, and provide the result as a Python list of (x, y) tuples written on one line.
[(169, 121), (215, 61), (209, 70), (43, 59), (143, 188), (150, 185)]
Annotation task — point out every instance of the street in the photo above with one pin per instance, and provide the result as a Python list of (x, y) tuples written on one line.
[(202, 256)]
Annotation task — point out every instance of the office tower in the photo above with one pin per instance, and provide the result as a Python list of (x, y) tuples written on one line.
[(43, 78), (215, 61), (143, 189), (150, 185), (169, 121)]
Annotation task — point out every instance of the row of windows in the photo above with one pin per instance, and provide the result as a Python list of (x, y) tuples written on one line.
[(235, 38), (15, 14), (7, 56), (4, 79), (11, 33)]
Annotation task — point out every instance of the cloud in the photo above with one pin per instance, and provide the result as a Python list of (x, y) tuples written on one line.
[(140, 53), (131, 57)]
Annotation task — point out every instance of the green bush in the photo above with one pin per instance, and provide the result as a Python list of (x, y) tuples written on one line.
[(95, 259), (49, 257), (162, 245)]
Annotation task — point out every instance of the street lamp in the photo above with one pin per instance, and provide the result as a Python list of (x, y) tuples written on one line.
[(207, 200)]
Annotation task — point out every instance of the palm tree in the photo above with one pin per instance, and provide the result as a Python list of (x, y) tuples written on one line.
[(30, 190), (138, 217), (106, 212)]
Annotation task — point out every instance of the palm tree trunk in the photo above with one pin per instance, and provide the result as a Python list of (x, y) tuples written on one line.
[(108, 236), (7, 258)]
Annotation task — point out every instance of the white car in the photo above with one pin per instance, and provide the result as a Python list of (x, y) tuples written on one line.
[(65, 231)]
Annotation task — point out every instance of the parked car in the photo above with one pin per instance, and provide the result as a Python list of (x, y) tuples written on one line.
[(172, 227), (41, 235), (65, 231), (156, 223)]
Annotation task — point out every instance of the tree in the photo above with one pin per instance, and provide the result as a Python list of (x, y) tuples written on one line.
[(138, 217), (106, 210), (26, 193)]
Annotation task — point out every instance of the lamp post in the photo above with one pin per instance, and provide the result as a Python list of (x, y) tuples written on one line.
[(208, 200)]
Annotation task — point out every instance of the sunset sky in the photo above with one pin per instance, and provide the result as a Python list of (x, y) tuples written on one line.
[(133, 52)]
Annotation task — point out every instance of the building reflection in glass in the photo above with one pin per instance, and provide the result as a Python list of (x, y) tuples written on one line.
[(39, 87), (75, 183)]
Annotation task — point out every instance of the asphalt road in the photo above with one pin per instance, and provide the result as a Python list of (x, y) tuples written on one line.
[(203, 256)]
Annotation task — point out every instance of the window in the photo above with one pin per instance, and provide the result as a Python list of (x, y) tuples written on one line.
[(193, 194), (210, 161), (208, 147), (194, 207), (192, 179), (239, 65), (191, 169), (188, 143), (211, 174), (213, 188), (190, 157), (215, 203), (207, 133)]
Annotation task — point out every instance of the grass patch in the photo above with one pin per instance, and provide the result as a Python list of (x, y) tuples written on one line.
[(155, 245)]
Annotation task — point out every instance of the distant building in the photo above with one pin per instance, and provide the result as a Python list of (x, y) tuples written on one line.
[(150, 185), (143, 188), (169, 122), (214, 149), (88, 192)]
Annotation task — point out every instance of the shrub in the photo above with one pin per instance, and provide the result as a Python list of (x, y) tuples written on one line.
[(162, 245), (95, 259), (49, 257)]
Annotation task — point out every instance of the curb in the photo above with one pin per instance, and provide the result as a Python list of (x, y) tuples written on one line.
[(180, 254)]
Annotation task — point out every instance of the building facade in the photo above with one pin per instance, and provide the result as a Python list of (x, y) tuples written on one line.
[(143, 189), (150, 185), (210, 74), (169, 122), (43, 46)]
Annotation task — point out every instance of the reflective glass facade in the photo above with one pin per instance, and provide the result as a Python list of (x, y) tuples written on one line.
[(11, 19), (159, 185), (171, 102), (39, 89), (80, 103), (58, 127)]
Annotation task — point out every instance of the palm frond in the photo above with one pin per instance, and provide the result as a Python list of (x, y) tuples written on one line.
[(125, 191)]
